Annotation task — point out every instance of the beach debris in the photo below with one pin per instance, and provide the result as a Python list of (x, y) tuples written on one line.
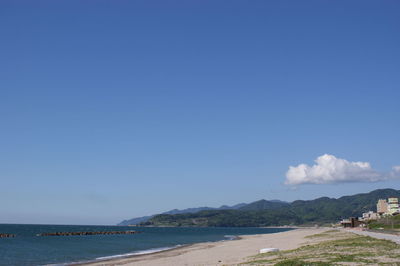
[(266, 250), (6, 235), (88, 233)]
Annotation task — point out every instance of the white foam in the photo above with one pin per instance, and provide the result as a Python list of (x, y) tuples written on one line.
[(137, 253), (231, 237)]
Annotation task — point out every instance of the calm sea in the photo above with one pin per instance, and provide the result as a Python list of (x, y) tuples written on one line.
[(28, 249)]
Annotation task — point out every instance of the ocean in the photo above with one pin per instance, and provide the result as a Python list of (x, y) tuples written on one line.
[(26, 248)]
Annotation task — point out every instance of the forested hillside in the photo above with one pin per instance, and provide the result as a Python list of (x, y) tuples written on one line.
[(262, 213)]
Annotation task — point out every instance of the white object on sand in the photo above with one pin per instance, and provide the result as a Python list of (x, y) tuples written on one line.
[(266, 250)]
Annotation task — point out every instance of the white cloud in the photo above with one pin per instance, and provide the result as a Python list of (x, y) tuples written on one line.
[(329, 169), (395, 171)]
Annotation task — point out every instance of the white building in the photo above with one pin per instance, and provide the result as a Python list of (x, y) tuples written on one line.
[(393, 206), (370, 216)]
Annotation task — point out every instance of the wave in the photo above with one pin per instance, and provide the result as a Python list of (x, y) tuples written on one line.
[(140, 252), (153, 250), (231, 237), (137, 253), (119, 256)]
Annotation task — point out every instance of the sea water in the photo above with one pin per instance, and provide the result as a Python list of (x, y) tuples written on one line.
[(29, 249)]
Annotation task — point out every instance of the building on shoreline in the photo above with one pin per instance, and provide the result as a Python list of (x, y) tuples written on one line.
[(388, 207), (366, 216), (382, 207), (352, 222), (393, 207)]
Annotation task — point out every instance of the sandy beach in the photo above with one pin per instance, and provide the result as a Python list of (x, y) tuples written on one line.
[(220, 253)]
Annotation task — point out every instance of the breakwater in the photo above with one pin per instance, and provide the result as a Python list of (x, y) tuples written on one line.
[(89, 233), (6, 235)]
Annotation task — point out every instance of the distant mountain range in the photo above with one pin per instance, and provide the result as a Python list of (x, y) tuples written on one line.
[(264, 203), (271, 212)]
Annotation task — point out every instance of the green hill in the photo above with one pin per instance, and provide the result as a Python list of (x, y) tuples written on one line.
[(264, 205), (263, 213)]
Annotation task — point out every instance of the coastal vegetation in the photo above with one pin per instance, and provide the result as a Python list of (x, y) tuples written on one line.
[(319, 211), (227, 218), (387, 222), (334, 248)]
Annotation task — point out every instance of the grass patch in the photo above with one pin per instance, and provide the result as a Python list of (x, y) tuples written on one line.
[(295, 262), (318, 235), (391, 222), (326, 234), (346, 248)]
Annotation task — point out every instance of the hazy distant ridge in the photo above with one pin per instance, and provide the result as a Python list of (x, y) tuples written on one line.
[(138, 220)]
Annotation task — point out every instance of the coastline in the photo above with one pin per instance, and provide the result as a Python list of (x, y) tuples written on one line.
[(137, 254), (147, 252), (230, 252)]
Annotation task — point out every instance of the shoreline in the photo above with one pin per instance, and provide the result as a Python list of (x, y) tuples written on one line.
[(136, 254), (147, 252), (151, 251), (224, 252)]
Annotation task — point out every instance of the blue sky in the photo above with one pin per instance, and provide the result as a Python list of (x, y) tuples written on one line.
[(116, 109)]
